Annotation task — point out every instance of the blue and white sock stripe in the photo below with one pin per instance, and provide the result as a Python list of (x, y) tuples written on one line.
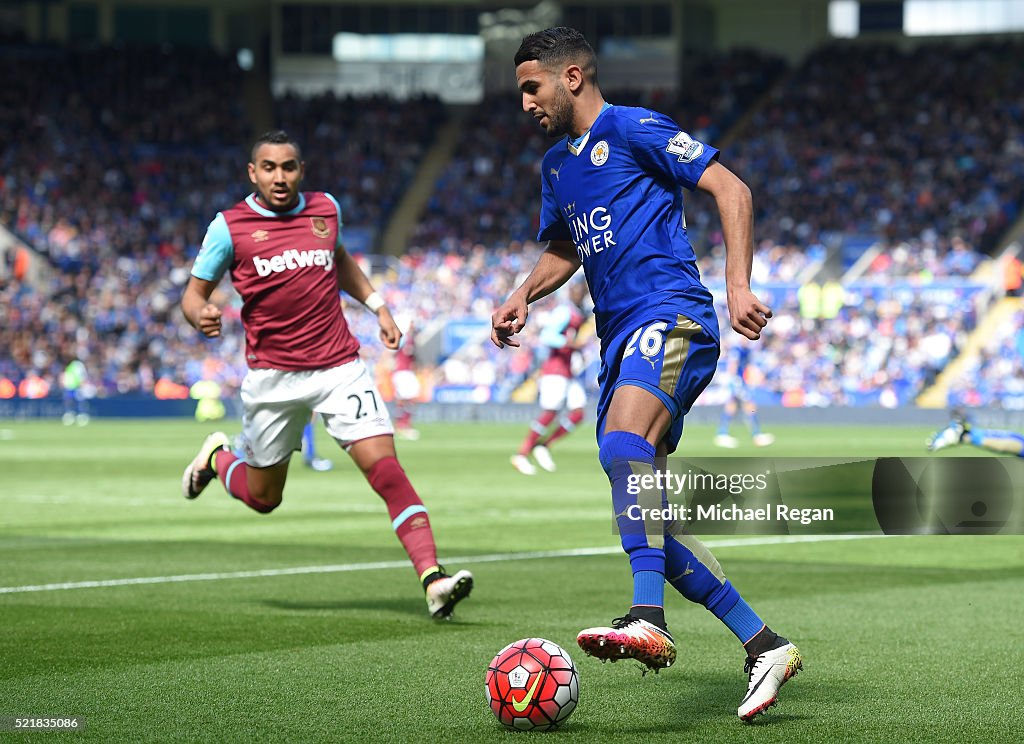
[(406, 513), (231, 469)]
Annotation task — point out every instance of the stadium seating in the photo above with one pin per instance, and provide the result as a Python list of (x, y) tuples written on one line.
[(113, 174)]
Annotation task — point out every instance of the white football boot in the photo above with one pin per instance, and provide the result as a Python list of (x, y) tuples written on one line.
[(767, 673), (444, 593), (543, 457), (199, 472)]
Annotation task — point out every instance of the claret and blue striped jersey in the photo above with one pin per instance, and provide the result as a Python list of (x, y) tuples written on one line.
[(616, 194)]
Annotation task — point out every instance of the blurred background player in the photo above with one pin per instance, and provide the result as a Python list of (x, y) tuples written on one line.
[(405, 381), (961, 431), (740, 397), (287, 260), (319, 464), (73, 381), (559, 389), (209, 405)]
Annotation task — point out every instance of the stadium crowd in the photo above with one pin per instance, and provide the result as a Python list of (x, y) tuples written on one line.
[(114, 176), (870, 139), (995, 377)]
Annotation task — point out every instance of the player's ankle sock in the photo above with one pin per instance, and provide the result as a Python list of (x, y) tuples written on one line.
[(740, 618), (233, 473), (409, 517), (653, 615), (649, 597), (565, 425), (430, 575), (723, 424), (764, 641), (537, 429), (754, 423)]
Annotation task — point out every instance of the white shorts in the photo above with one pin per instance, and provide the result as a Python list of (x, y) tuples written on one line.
[(276, 405), (407, 384), (557, 391)]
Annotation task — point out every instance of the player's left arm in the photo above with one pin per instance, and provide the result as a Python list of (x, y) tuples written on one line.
[(356, 284), (747, 314)]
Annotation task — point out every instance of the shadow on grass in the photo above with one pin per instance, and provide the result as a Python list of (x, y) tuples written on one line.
[(410, 606)]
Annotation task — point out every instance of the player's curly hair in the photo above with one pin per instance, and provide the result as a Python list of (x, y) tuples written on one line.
[(274, 137), (557, 46)]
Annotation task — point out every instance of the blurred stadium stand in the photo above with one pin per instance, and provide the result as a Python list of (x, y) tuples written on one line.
[(888, 176)]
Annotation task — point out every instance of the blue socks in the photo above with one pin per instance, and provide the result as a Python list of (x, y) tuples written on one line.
[(308, 448), (623, 457), (656, 556)]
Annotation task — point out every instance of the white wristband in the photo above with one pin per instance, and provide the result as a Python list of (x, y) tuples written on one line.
[(374, 302)]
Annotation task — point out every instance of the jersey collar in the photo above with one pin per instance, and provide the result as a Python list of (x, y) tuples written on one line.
[(255, 207), (576, 146)]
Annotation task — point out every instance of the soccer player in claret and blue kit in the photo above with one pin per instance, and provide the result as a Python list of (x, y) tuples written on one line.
[(284, 251), (611, 200)]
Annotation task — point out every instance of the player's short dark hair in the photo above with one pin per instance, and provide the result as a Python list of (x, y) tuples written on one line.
[(558, 46), (274, 137)]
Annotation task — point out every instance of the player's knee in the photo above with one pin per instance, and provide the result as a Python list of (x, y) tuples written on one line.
[(620, 446), (385, 474)]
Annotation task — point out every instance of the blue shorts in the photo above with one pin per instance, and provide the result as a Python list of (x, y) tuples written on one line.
[(670, 356)]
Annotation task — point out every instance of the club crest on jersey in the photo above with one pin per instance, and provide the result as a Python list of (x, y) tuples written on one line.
[(687, 148), (259, 236), (599, 153), (319, 226)]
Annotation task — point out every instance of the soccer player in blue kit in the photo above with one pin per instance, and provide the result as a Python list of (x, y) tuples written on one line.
[(611, 201)]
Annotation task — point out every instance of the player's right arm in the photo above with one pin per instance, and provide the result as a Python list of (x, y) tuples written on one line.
[(554, 268), (214, 258)]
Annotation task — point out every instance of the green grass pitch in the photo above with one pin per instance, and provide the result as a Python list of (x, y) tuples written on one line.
[(905, 638)]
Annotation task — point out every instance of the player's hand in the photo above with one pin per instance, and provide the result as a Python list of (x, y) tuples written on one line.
[(747, 314), (508, 320), (390, 333), (209, 320)]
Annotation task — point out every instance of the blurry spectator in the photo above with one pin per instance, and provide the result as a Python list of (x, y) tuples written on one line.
[(1012, 276)]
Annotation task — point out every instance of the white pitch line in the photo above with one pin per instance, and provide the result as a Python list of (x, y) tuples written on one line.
[(460, 560)]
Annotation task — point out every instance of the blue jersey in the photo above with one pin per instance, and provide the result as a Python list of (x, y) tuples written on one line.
[(616, 193)]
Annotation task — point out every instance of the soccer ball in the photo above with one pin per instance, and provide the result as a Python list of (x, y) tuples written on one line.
[(532, 685)]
